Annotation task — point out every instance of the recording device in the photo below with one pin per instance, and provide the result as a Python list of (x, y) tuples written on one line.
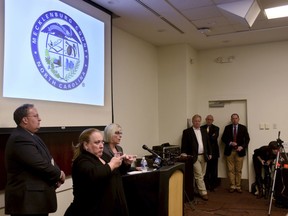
[(159, 161), (279, 141), (167, 151)]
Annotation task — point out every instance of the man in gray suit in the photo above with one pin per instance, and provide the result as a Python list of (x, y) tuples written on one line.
[(32, 175), (211, 175)]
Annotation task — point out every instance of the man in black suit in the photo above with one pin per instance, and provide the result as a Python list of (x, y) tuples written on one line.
[(32, 175), (236, 139), (211, 176), (195, 143)]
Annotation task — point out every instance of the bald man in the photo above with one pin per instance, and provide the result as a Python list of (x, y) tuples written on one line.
[(211, 176)]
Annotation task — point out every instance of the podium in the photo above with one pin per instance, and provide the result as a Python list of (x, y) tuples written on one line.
[(156, 193)]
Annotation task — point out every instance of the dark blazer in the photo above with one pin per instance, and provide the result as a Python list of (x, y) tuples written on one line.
[(265, 153), (213, 138), (189, 144), (31, 176), (242, 139), (124, 168)]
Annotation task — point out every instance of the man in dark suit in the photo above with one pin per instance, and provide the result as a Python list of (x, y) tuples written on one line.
[(32, 175), (236, 139), (211, 176), (195, 143)]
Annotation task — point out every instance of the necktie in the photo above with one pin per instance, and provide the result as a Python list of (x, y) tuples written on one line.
[(234, 133), (207, 129)]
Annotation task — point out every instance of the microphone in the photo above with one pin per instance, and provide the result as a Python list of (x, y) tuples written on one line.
[(159, 160), (151, 151), (278, 134)]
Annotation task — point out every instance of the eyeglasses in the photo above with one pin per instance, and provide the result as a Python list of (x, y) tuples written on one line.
[(118, 132), (99, 141), (34, 116)]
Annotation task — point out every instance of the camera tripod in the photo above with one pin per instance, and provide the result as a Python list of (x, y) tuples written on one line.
[(277, 167)]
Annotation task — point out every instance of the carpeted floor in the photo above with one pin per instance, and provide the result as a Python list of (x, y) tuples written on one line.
[(223, 203)]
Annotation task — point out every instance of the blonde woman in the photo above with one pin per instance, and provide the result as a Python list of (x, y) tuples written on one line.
[(112, 137), (97, 186)]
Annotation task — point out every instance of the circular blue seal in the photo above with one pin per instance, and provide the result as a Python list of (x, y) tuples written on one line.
[(59, 50)]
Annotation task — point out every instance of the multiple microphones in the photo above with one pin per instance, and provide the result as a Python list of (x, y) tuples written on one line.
[(159, 161), (151, 151)]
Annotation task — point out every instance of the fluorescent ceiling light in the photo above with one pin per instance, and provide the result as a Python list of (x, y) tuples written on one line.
[(277, 12)]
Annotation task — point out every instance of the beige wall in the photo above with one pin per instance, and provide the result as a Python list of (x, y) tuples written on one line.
[(177, 72), (188, 79), (135, 92), (258, 74)]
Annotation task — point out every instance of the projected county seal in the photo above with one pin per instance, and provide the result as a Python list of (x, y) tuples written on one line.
[(60, 50)]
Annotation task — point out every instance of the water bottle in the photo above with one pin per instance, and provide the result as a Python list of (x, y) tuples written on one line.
[(144, 165)]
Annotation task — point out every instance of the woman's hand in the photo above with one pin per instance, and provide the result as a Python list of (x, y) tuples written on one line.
[(115, 162), (129, 159)]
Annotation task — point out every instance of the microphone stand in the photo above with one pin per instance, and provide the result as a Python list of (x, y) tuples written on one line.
[(159, 161)]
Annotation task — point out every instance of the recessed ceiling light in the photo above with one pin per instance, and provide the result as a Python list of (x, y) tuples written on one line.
[(277, 12), (204, 30)]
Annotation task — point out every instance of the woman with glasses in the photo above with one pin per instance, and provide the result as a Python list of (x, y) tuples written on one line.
[(112, 137), (97, 185)]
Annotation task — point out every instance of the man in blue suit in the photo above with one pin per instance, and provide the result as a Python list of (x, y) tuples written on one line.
[(236, 139), (32, 175)]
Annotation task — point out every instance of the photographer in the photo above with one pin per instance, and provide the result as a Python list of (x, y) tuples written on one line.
[(263, 157)]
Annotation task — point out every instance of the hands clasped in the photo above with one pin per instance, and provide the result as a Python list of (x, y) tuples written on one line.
[(61, 179), (235, 146)]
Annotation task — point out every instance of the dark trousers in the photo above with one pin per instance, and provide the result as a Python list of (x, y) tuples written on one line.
[(211, 176), (258, 174)]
